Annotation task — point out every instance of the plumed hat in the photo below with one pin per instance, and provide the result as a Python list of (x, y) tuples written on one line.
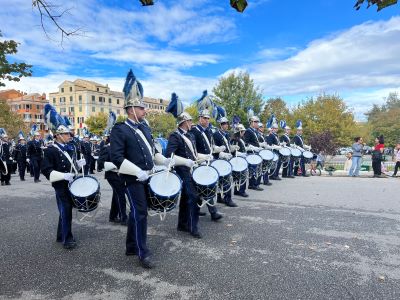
[(133, 91), (175, 107), (54, 121), (112, 118), (21, 135), (283, 124), (299, 125)]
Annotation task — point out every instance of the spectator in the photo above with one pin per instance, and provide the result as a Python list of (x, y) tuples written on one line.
[(377, 156), (356, 157), (320, 159), (347, 163), (396, 159)]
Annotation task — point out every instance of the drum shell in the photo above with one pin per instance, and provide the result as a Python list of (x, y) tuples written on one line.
[(85, 203), (206, 191), (255, 170), (163, 203), (239, 177), (307, 156), (284, 154)]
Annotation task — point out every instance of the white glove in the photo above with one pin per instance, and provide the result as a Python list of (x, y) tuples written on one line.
[(283, 144), (189, 163), (69, 176), (219, 149), (27, 160), (240, 154), (235, 148), (169, 162), (223, 155), (142, 176), (81, 163)]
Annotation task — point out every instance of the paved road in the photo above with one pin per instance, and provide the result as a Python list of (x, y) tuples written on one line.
[(310, 238)]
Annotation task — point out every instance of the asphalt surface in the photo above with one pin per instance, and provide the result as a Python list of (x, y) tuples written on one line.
[(303, 238)]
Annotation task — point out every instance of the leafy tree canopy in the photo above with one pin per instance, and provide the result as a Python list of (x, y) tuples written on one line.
[(11, 121), (97, 123)]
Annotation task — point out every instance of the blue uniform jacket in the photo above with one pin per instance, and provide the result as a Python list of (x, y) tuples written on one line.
[(298, 140), (250, 137), (201, 143), (34, 150)]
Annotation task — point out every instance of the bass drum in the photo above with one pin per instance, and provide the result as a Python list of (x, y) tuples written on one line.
[(3, 167), (161, 145), (85, 193)]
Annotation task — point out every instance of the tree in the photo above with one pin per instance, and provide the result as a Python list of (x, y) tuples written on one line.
[(323, 142), (162, 124), (276, 106), (384, 120), (11, 71), (121, 118), (325, 113), (237, 94), (97, 123), (11, 121), (381, 4)]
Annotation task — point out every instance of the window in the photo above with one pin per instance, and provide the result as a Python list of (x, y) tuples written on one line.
[(93, 98), (93, 108), (102, 109), (161, 101), (102, 99), (62, 90), (71, 109), (117, 101), (80, 99), (106, 90), (37, 107), (70, 88), (97, 89), (80, 120), (80, 108), (118, 111), (109, 100), (54, 100), (71, 99)]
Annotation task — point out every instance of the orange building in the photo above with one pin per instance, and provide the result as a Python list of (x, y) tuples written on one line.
[(29, 106)]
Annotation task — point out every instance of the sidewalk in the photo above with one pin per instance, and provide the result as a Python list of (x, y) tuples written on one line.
[(342, 173)]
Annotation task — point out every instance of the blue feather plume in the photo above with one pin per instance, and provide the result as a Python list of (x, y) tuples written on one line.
[(67, 121), (282, 124), (112, 118), (2, 131), (219, 112), (52, 118), (205, 102), (175, 106), (269, 122), (235, 121), (250, 113), (299, 124), (34, 127), (129, 82)]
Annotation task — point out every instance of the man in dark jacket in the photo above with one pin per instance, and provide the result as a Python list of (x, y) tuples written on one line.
[(5, 155), (35, 155), (20, 157)]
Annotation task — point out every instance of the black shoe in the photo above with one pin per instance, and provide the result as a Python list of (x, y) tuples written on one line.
[(275, 178), (124, 222), (216, 217), (22, 179), (202, 214), (231, 204), (268, 183), (37, 180), (219, 200), (291, 176), (244, 194), (70, 245), (58, 240), (8, 183), (257, 188), (114, 220), (91, 173), (182, 228), (146, 263), (130, 253), (2, 183), (196, 235)]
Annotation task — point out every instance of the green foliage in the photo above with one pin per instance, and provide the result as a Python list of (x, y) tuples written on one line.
[(97, 123), (384, 120), (162, 124), (121, 118), (237, 93), (278, 107), (381, 4), (10, 121), (11, 71)]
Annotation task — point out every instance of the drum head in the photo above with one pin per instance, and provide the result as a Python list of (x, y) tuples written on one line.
[(266, 154), (223, 167), (296, 152), (276, 157), (84, 186), (254, 159), (239, 164), (308, 154), (284, 151), (205, 175), (165, 184)]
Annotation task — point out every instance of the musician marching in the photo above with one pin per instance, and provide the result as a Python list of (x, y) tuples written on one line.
[(250, 138), (222, 138), (20, 155), (133, 152), (35, 154), (299, 142), (273, 141), (262, 140), (5, 156), (60, 167), (205, 145), (287, 170), (237, 140), (86, 150)]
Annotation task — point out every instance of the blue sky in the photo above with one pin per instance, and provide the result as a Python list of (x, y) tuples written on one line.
[(292, 49)]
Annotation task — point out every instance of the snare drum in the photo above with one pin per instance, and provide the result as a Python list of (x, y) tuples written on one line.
[(239, 170), (284, 154), (308, 156), (255, 165), (296, 153), (224, 169), (164, 191), (274, 163), (85, 193), (206, 181), (267, 156)]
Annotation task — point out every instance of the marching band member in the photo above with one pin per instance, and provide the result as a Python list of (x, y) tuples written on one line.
[(182, 144), (250, 137), (86, 150), (263, 143), (132, 152), (298, 141), (241, 151), (222, 138), (273, 141), (205, 145), (20, 155), (35, 154), (59, 168), (287, 170), (6, 157)]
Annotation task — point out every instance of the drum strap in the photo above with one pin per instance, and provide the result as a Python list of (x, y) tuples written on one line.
[(226, 142), (141, 135), (68, 157), (189, 144), (255, 134), (206, 139)]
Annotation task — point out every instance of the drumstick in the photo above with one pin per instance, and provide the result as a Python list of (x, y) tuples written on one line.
[(83, 171), (169, 166)]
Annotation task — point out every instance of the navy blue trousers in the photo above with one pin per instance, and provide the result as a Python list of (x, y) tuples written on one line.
[(118, 202), (64, 204), (21, 168), (86, 168), (136, 236), (226, 196), (288, 170), (278, 167), (188, 217), (254, 182), (36, 164)]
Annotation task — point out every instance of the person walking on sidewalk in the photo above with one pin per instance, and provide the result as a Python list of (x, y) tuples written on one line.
[(396, 159), (377, 156), (356, 157)]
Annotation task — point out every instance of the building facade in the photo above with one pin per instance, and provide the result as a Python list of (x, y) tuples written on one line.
[(80, 99), (29, 106)]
